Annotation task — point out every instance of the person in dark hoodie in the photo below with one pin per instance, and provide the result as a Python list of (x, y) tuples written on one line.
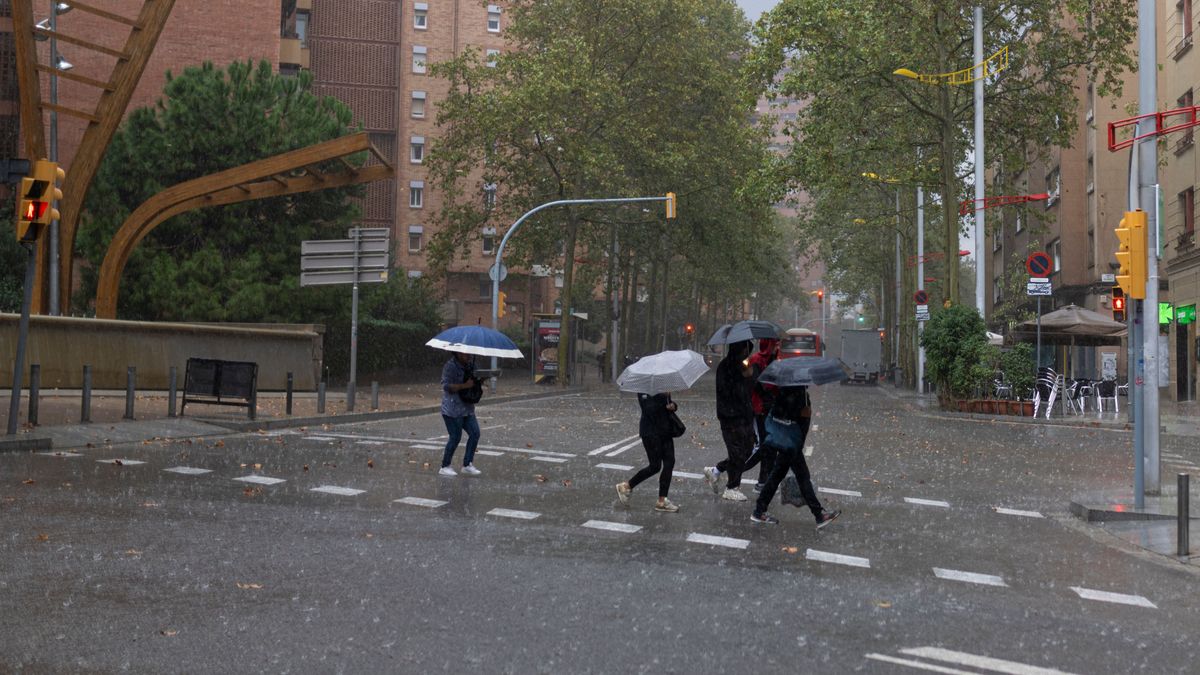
[(655, 430), (736, 415), (762, 397), (787, 427)]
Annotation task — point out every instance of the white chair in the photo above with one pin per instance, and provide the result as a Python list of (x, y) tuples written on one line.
[(1107, 390), (1071, 401)]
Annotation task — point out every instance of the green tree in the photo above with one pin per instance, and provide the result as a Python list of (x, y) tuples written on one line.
[(232, 263), (955, 342)]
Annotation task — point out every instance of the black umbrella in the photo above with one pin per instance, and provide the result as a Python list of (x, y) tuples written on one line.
[(745, 330), (801, 371)]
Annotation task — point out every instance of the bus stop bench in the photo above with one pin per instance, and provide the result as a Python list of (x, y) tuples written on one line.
[(216, 382)]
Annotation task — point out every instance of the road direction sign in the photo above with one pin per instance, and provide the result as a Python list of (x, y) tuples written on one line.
[(503, 272), (1038, 264), (366, 262), (1038, 286), (342, 246), (342, 277), (921, 297), (370, 232), (922, 312)]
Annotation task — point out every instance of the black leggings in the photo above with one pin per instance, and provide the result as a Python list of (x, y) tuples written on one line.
[(660, 450)]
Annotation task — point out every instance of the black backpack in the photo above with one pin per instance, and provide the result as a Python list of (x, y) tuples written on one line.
[(475, 392)]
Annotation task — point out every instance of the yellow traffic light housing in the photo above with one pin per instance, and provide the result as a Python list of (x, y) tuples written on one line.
[(36, 198), (501, 298), (1131, 254), (49, 173), (670, 205)]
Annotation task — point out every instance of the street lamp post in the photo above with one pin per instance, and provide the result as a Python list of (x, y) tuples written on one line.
[(56, 63), (979, 217)]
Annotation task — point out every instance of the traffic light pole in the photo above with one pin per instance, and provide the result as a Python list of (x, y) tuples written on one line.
[(14, 400), (1147, 180)]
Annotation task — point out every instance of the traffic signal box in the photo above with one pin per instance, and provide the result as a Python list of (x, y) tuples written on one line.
[(1131, 254), (689, 328), (1118, 304), (36, 199), (820, 297), (670, 205), (501, 298)]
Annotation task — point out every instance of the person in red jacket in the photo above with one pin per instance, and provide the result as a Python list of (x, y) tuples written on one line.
[(762, 397)]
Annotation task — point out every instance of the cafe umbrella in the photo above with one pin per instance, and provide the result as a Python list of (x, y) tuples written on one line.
[(477, 340)]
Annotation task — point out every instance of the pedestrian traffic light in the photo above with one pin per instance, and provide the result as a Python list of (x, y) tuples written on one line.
[(1118, 303), (500, 300), (1131, 254), (670, 205), (36, 197)]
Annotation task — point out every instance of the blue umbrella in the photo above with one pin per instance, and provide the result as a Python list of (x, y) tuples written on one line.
[(804, 371), (478, 340)]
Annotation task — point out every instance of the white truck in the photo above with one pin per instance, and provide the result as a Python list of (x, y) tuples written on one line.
[(862, 351)]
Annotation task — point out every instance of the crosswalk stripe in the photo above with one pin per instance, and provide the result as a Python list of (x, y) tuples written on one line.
[(837, 558), (371, 443), (1119, 598), (552, 460), (420, 501), (927, 502), (623, 448), (979, 662), (618, 467), (319, 438), (489, 453), (125, 462), (918, 664), (686, 474), (835, 491), (60, 453), (1017, 512), (261, 480), (612, 527), (335, 490), (188, 470), (610, 446), (729, 542), (429, 447), (969, 577), (511, 513)]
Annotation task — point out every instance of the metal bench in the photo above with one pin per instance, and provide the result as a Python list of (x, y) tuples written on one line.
[(216, 382)]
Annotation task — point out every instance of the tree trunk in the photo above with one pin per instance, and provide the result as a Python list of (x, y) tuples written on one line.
[(950, 189), (631, 276), (564, 330), (651, 298), (666, 289)]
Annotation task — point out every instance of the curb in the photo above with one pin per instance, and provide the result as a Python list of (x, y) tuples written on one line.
[(250, 426), (1110, 513), (18, 444)]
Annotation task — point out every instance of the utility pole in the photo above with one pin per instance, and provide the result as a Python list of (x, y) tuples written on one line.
[(979, 177), (920, 284), (1148, 194)]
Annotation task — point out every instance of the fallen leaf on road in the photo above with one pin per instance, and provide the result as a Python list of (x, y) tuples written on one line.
[(883, 603), (91, 445), (539, 478), (245, 587), (43, 537), (168, 632), (790, 549), (258, 466), (133, 551), (252, 491), (529, 445), (425, 465), (219, 444), (566, 482), (306, 467), (370, 464), (118, 462), (28, 481)]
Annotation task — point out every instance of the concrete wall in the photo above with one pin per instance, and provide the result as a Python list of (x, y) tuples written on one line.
[(63, 345)]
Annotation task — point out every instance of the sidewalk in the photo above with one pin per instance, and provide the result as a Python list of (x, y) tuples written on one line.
[(59, 413)]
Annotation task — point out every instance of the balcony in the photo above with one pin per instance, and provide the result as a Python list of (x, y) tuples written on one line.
[(291, 52), (1185, 242), (1185, 142), (1184, 46)]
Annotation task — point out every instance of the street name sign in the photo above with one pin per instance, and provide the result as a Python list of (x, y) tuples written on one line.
[(330, 278), (342, 246), (922, 312), (1038, 286), (369, 261)]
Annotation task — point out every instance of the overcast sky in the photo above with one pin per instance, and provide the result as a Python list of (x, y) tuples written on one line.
[(754, 8)]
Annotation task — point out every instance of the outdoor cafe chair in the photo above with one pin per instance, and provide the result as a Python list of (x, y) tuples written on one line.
[(1071, 398), (1001, 388), (1045, 390), (1107, 390)]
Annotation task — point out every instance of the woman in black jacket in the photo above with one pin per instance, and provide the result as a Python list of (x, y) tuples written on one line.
[(655, 430)]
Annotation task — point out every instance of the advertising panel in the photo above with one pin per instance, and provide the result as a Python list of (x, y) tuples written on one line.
[(545, 348)]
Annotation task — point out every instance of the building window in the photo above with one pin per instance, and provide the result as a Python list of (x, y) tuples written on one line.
[(417, 106), (1053, 186), (489, 241), (492, 55), (414, 274), (1091, 248), (489, 195), (997, 291), (1185, 18), (302, 28), (493, 19), (1020, 222), (485, 286), (419, 54), (1187, 208), (421, 16), (1055, 253), (416, 194), (1186, 138), (415, 232), (998, 238), (416, 153)]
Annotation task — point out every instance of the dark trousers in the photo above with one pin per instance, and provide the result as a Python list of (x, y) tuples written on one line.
[(660, 450), (763, 454), (738, 433), (790, 459), (455, 427)]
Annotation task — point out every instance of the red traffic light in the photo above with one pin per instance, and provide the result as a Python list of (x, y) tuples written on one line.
[(34, 210), (820, 297), (1118, 304), (689, 328)]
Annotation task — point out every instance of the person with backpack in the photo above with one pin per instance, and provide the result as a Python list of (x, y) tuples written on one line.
[(658, 430), (461, 390)]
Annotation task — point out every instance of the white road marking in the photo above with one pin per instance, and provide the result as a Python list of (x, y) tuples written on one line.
[(979, 662), (837, 558), (528, 451), (623, 448), (815, 427), (969, 577), (608, 420), (189, 470), (494, 426), (534, 419), (918, 664), (808, 451), (425, 444), (419, 501), (489, 453), (335, 490), (126, 462), (319, 438), (729, 542), (835, 491), (555, 460), (686, 474), (927, 502), (428, 447), (618, 467), (261, 480), (371, 443), (510, 513), (1017, 512), (1120, 598), (612, 527), (610, 446), (60, 453), (1172, 456)]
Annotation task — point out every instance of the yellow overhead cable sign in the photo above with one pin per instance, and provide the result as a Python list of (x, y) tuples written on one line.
[(993, 64)]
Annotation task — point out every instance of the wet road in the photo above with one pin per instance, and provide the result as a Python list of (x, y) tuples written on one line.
[(340, 549)]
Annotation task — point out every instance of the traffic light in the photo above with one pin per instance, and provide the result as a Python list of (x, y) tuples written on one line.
[(670, 205), (820, 296), (1131, 254), (689, 328), (1118, 303), (500, 300), (881, 336), (36, 198)]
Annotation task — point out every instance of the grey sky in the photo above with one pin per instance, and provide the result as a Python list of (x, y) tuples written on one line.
[(755, 8)]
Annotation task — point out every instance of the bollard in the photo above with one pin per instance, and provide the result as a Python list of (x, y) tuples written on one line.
[(130, 383), (1183, 506), (374, 395), (172, 385), (85, 404), (35, 386), (290, 383), (350, 391), (321, 398)]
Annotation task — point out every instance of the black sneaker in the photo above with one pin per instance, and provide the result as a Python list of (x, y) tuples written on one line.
[(764, 518), (758, 487), (827, 517)]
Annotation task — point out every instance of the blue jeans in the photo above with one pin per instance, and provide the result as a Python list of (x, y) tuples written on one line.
[(455, 427)]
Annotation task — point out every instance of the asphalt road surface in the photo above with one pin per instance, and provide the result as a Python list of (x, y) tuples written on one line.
[(340, 549)]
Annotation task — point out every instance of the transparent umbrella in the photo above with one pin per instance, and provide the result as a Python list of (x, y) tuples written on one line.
[(663, 372)]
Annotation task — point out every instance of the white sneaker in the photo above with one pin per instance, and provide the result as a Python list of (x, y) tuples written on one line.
[(447, 471), (733, 495), (713, 478), (470, 470)]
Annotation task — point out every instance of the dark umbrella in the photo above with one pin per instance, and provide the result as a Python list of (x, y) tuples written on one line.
[(745, 330), (802, 371)]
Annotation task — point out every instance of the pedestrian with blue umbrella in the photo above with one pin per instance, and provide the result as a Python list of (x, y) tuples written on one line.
[(462, 387)]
